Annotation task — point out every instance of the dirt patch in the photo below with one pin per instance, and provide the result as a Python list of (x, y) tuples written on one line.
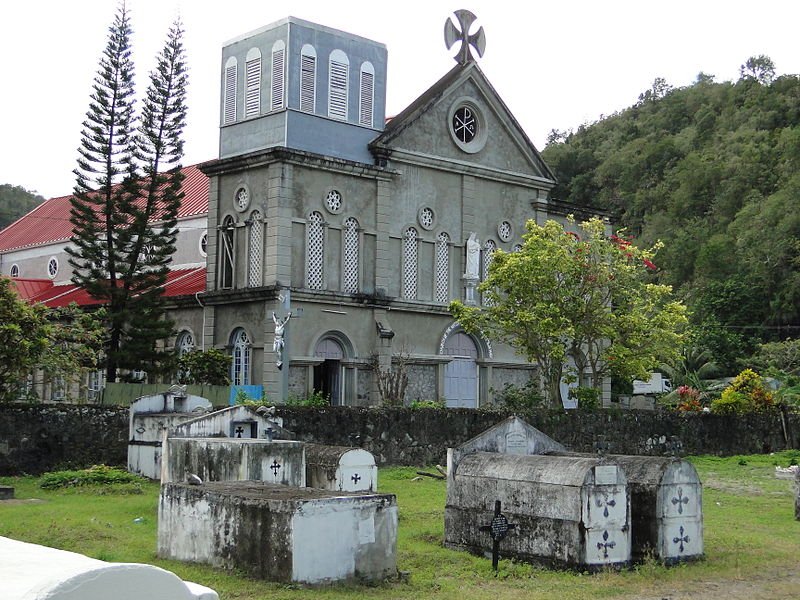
[(766, 586)]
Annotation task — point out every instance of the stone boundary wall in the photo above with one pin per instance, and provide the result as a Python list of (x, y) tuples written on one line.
[(41, 437)]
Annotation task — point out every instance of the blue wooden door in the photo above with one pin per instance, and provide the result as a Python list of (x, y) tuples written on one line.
[(461, 373)]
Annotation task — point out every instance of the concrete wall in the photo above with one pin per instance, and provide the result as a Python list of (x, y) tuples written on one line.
[(37, 438)]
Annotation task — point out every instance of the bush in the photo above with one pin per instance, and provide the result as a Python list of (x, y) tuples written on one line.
[(746, 393), (209, 367), (95, 475), (316, 400), (588, 397), (515, 398), (417, 404)]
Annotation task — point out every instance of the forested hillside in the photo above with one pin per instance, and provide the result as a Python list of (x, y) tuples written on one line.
[(15, 201), (712, 170)]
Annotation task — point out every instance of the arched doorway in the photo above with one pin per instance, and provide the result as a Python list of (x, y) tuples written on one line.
[(461, 373), (328, 373)]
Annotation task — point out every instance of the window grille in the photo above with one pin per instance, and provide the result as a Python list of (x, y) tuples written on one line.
[(184, 343), (410, 243), (229, 102), (255, 251), (278, 67), (94, 385), (315, 244), (488, 249), (52, 267), (240, 366), (517, 247), (204, 244), (426, 217), (252, 94), (505, 231), (308, 78), (226, 235), (337, 85), (442, 268), (366, 94), (350, 256), (14, 270), (333, 201)]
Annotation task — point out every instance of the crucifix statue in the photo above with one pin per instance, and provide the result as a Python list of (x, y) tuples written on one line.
[(452, 35), (278, 342)]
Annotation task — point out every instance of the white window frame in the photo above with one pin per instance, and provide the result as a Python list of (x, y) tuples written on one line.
[(308, 79), (366, 95), (252, 83), (410, 287), (315, 259), (338, 94), (351, 262), (255, 249), (277, 86), (230, 81), (241, 357)]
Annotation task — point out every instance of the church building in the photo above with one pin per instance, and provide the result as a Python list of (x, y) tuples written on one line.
[(336, 238)]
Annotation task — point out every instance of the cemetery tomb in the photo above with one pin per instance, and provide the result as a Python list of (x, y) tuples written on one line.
[(235, 459), (240, 422), (33, 572), (340, 469), (666, 507), (280, 533), (149, 417), (565, 511), (6, 492)]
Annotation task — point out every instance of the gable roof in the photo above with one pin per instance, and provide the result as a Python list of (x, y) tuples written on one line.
[(382, 145), (49, 222)]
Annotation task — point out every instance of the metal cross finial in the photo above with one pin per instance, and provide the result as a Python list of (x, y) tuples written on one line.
[(452, 35)]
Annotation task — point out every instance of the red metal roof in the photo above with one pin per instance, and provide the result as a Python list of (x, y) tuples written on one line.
[(49, 222), (180, 282)]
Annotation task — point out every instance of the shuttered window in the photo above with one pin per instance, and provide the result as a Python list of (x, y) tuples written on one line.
[(338, 67), (308, 78), (229, 101), (278, 70), (252, 85), (366, 98)]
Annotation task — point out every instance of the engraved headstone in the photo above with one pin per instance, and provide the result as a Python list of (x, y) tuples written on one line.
[(516, 443)]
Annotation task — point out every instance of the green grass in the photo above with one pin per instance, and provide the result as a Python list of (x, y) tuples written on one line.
[(750, 536)]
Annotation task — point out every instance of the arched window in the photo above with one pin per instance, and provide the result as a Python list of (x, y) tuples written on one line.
[(252, 83), (14, 270), (488, 250), (315, 250), (410, 243), (350, 256), (226, 252), (240, 365), (338, 71), (366, 96), (255, 249), (308, 78), (184, 343), (229, 100), (278, 70), (203, 244), (442, 268)]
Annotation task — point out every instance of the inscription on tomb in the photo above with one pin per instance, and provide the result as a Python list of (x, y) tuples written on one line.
[(516, 443), (605, 475)]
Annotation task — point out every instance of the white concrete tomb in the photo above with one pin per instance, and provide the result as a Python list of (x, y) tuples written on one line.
[(340, 469), (33, 572), (278, 532)]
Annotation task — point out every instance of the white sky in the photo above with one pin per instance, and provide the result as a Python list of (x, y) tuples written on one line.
[(556, 64)]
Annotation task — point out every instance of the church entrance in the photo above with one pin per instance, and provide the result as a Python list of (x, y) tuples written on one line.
[(328, 374), (461, 373)]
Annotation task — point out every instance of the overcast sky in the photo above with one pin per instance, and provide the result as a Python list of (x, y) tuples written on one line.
[(556, 64)]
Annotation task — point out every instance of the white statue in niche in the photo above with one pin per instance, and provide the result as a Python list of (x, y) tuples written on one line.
[(278, 342), (473, 256)]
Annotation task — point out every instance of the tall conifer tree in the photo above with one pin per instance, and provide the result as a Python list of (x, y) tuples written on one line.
[(124, 210)]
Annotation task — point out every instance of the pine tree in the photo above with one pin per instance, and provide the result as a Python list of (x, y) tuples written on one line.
[(124, 209)]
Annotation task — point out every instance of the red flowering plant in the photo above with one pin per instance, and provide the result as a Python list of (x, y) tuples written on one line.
[(688, 399)]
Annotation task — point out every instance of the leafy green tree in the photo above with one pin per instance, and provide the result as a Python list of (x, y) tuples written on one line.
[(15, 201), (128, 177), (24, 335), (585, 297), (758, 68), (209, 367)]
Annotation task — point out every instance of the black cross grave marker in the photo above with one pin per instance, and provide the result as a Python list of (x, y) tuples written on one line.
[(605, 504), (498, 529), (239, 431), (605, 544), (680, 501), (356, 478), (681, 539), (275, 467)]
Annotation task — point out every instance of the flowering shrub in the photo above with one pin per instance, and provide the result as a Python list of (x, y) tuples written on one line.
[(746, 393), (688, 399)]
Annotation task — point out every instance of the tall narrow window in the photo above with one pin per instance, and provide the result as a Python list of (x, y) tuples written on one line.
[(278, 70), (226, 253), (315, 249), (488, 250), (350, 256), (252, 83), (229, 99), (338, 67), (308, 78), (442, 268), (366, 96), (240, 365), (255, 249), (410, 243)]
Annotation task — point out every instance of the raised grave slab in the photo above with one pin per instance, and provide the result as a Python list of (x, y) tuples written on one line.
[(280, 533), (340, 469), (33, 572)]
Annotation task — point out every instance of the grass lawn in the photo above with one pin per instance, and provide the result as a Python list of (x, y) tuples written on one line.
[(751, 539)]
